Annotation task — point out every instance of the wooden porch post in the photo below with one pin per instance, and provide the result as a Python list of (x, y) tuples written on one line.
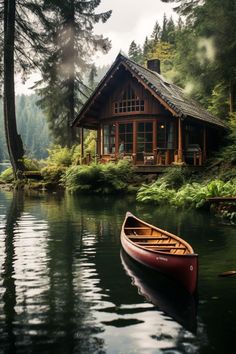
[(81, 133), (204, 143), (117, 139), (134, 142), (180, 141), (99, 141), (154, 138)]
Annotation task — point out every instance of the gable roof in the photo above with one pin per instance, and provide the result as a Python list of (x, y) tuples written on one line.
[(170, 95)]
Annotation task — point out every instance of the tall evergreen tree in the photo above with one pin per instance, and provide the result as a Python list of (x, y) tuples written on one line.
[(164, 30), (156, 33), (207, 50), (18, 38), (14, 142), (135, 52), (71, 30)]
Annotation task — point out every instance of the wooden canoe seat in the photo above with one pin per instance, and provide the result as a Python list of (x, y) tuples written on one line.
[(138, 228), (165, 247), (147, 237), (170, 244)]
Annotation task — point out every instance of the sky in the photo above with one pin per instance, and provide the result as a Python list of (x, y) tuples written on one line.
[(130, 20)]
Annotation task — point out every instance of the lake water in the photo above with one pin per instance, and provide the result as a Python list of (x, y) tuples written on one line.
[(66, 287)]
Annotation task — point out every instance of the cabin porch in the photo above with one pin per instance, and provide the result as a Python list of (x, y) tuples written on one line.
[(156, 161)]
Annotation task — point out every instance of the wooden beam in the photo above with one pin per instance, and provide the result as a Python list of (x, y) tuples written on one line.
[(99, 152), (204, 143), (82, 144), (180, 141)]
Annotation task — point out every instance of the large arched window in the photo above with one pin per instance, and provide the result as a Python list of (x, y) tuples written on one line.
[(129, 102)]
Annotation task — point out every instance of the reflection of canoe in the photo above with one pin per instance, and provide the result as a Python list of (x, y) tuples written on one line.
[(164, 293), (160, 250)]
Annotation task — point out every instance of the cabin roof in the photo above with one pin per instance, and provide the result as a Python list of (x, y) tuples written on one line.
[(168, 93)]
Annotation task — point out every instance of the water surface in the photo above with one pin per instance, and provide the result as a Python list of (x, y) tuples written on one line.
[(66, 287)]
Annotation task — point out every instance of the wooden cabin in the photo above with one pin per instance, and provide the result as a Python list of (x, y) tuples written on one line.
[(140, 116)]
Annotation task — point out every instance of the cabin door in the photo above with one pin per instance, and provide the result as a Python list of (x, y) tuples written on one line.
[(144, 140)]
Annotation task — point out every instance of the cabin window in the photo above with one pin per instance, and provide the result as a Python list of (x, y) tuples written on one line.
[(191, 134), (145, 137), (165, 135), (109, 132), (126, 137), (129, 102)]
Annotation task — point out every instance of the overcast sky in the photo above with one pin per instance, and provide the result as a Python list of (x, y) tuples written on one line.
[(130, 20)]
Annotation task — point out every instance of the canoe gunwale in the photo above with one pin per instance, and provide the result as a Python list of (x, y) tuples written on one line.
[(181, 267), (164, 233)]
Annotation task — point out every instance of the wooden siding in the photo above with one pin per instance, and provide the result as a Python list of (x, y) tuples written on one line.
[(151, 106)]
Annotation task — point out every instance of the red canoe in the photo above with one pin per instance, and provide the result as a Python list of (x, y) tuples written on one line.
[(160, 250)]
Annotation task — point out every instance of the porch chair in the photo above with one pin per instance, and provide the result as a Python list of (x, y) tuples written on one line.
[(148, 158)]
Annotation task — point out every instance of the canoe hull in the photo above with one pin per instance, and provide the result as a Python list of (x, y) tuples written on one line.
[(183, 268)]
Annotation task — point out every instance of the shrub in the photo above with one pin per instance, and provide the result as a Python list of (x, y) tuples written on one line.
[(175, 177), (158, 192), (191, 194), (7, 175), (60, 156), (31, 165), (52, 174), (99, 178)]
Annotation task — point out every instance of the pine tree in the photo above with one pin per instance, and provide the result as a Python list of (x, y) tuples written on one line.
[(156, 33), (135, 52), (70, 29), (19, 43), (164, 31), (206, 51)]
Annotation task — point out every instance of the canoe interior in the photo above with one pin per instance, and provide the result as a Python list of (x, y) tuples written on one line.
[(152, 238)]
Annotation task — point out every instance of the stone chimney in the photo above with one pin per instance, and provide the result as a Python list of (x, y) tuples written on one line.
[(154, 65)]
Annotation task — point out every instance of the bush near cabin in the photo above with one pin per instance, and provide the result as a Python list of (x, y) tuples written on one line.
[(99, 178), (189, 195)]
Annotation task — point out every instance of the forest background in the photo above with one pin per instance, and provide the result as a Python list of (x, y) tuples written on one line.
[(195, 53)]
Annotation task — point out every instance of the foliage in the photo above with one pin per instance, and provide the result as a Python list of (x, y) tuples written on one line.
[(191, 194), (206, 52), (99, 178), (228, 152), (58, 160), (32, 126), (196, 194), (219, 101), (31, 165), (60, 156), (90, 142), (175, 177), (52, 174), (7, 175), (158, 192), (71, 44), (135, 52)]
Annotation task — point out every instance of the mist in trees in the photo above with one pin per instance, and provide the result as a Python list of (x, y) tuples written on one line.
[(63, 89), (57, 38), (198, 52), (21, 41), (32, 126)]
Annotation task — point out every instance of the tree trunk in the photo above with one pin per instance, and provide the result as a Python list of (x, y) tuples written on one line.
[(14, 142)]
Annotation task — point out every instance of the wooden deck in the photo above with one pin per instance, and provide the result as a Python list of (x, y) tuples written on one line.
[(218, 200)]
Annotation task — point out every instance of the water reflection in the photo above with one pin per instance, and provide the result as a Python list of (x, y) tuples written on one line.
[(8, 272), (64, 289), (163, 293)]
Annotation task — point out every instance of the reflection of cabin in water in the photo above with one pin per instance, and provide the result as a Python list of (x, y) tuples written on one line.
[(140, 116)]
